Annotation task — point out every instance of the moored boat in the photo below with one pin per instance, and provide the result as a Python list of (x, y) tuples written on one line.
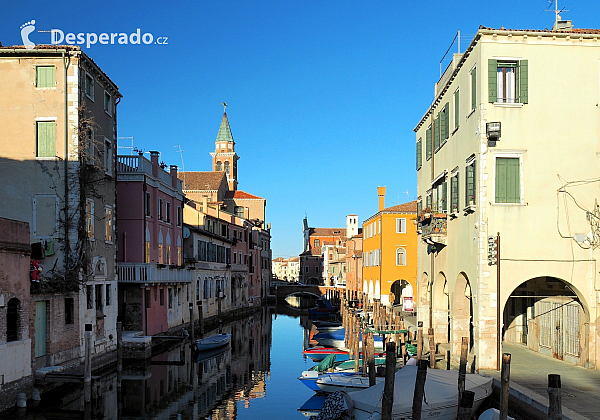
[(213, 342), (331, 382)]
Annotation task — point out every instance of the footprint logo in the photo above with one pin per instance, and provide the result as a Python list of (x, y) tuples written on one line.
[(26, 29)]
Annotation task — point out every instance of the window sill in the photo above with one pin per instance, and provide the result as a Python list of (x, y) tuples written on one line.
[(108, 113), (46, 88), (455, 130), (469, 209), (509, 204), (89, 97), (471, 113), (508, 105), (45, 157)]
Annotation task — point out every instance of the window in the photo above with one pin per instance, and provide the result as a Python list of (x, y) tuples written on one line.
[(239, 211), (226, 167), (508, 184), (179, 256), (89, 296), (147, 204), (440, 195), (428, 144), (89, 86), (108, 103), (428, 200), (161, 294), (69, 311), (89, 214), (508, 81), (147, 252), (168, 254), (91, 149), (99, 305), (170, 298), (179, 216), (147, 298), (44, 76), (46, 139), (470, 184), (168, 212), (161, 253), (206, 289), (444, 121), (108, 156), (316, 269), (160, 209), (436, 133), (454, 192), (108, 296), (219, 166), (456, 109), (108, 225), (12, 320), (473, 88), (419, 152), (317, 243), (400, 256), (401, 225)]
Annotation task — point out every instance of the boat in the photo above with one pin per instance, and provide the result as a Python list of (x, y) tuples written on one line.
[(341, 381), (213, 342), (319, 353), (310, 378), (349, 365), (312, 407), (336, 339), (440, 400), (324, 309)]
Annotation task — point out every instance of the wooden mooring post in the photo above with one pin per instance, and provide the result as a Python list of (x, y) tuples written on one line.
[(431, 348), (419, 340), (504, 386), (462, 370), (192, 332), (371, 358), (387, 401), (200, 318), (87, 372), (356, 344), (465, 405), (419, 389), (554, 397)]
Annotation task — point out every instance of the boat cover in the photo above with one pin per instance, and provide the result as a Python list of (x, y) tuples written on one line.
[(441, 389), (326, 363)]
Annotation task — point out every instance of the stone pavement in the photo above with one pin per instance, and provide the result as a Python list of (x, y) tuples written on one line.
[(529, 370)]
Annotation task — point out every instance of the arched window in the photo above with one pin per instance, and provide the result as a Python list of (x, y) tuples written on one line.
[(219, 166), (226, 167), (12, 320), (401, 256), (317, 243)]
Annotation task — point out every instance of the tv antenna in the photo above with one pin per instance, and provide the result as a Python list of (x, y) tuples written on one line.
[(182, 166), (131, 148), (556, 11)]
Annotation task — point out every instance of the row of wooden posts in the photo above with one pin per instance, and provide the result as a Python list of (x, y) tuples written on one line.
[(385, 320)]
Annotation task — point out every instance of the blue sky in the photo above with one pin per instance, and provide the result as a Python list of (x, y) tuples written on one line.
[(323, 96)]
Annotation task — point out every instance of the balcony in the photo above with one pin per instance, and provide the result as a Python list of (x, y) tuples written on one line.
[(133, 164), (153, 273), (433, 227)]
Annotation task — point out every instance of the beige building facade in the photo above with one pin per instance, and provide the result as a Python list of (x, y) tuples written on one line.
[(510, 148)]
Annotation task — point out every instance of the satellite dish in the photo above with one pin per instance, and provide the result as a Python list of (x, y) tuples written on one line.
[(186, 233)]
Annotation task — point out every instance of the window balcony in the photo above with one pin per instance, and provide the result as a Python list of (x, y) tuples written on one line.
[(152, 273), (434, 228)]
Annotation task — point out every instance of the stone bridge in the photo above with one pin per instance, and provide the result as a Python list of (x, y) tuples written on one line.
[(282, 291)]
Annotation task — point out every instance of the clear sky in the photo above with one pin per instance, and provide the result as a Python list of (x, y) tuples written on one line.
[(322, 95)]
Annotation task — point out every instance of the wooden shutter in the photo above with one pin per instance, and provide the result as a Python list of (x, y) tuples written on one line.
[(470, 184), (46, 139), (419, 151), (456, 109), (428, 143), (523, 81), (508, 185), (454, 193), (444, 197), (492, 80), (44, 76), (474, 88), (436, 133)]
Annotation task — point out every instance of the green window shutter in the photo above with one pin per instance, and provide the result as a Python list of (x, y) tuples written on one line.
[(419, 151), (508, 186), (444, 197), (456, 109), (446, 122), (436, 133), (46, 139), (428, 143), (523, 77), (44, 76), (454, 193), (474, 88), (470, 184), (492, 80)]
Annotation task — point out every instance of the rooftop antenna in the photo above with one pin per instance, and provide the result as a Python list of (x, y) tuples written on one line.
[(182, 166), (556, 11), (126, 147)]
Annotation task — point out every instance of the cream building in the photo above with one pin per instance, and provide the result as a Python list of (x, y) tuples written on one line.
[(510, 146)]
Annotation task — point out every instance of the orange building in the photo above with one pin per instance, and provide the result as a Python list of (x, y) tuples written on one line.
[(390, 253)]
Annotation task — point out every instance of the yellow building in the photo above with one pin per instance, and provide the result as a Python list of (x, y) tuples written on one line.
[(390, 253)]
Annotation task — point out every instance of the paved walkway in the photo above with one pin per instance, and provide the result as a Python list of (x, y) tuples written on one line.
[(580, 386)]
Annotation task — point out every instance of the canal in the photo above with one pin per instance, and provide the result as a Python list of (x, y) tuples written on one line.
[(254, 378)]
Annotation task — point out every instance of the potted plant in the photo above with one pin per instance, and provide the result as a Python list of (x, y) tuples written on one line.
[(471, 201)]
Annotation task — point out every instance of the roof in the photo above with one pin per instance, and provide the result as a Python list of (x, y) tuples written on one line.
[(224, 133), (410, 207), (202, 181), (241, 195), (568, 31), (328, 232)]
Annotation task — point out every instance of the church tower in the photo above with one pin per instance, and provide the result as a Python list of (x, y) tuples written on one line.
[(224, 158)]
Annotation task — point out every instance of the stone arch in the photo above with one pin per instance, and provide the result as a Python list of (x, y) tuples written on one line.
[(377, 291), (440, 302), (423, 299), (400, 289), (462, 313), (218, 166), (549, 315)]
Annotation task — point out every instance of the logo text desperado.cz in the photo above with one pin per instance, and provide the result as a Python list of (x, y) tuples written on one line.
[(91, 38)]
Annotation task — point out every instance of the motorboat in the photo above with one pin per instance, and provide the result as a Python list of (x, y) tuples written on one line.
[(310, 378), (336, 339), (340, 381), (213, 342)]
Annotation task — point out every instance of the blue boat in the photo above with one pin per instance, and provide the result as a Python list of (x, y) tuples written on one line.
[(310, 377), (313, 406)]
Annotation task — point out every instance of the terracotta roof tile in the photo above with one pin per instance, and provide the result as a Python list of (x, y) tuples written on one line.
[(242, 195), (410, 207), (202, 181), (573, 30), (328, 232)]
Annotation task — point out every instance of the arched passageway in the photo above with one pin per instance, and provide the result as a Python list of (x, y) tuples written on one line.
[(462, 313), (441, 309)]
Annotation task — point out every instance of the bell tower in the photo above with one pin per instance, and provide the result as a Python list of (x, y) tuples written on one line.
[(224, 158)]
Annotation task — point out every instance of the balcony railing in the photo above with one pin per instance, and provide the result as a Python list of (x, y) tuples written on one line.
[(139, 164), (433, 228), (153, 273)]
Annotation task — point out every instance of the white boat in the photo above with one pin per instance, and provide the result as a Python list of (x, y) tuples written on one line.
[(440, 400), (213, 342), (335, 382)]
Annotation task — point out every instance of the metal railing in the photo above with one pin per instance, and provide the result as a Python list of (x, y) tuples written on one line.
[(153, 273)]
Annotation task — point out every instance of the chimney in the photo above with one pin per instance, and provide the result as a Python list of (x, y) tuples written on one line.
[(154, 160), (381, 194), (173, 176), (204, 205)]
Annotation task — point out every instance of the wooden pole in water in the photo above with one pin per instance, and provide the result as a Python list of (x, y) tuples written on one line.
[(200, 318), (554, 397), (364, 349), (420, 340), (192, 332), (419, 390), (462, 370), (87, 373), (431, 348), (371, 359), (387, 401), (504, 386), (465, 405), (356, 345)]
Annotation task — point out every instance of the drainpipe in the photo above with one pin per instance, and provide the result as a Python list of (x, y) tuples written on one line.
[(434, 129), (66, 163)]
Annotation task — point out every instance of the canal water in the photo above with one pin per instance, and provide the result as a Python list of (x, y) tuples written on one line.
[(254, 378)]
